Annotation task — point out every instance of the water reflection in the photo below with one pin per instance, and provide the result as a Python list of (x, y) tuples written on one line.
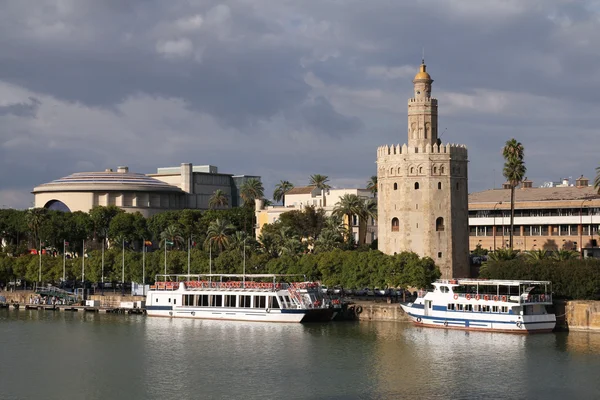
[(95, 356)]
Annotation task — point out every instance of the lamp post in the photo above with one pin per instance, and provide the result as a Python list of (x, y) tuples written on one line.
[(209, 259), (64, 260), (581, 228), (494, 215), (503, 241), (144, 267), (40, 269), (103, 244), (189, 249), (123, 269), (244, 268)]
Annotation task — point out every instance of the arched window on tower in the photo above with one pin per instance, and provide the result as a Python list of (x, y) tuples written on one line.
[(412, 170), (395, 186), (439, 185), (435, 170), (439, 224), (416, 185), (395, 224), (441, 170), (420, 170)]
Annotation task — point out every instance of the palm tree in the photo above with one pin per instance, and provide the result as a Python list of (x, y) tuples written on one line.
[(281, 189), (503, 254), (372, 185), (171, 236), (348, 206), (597, 180), (367, 208), (35, 218), (218, 199), (537, 254), (514, 171), (564, 254), (320, 181), (219, 232), (251, 190)]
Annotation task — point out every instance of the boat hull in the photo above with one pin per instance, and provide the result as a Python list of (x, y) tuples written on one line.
[(482, 322), (229, 314)]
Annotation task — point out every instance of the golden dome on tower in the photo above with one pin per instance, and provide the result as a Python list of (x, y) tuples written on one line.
[(422, 74)]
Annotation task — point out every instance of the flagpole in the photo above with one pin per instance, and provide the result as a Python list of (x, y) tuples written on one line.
[(210, 259), (103, 244), (144, 268), (165, 260), (123, 267), (189, 245), (83, 266), (40, 271), (64, 259)]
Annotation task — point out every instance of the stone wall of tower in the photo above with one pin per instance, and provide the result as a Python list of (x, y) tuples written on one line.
[(418, 186)]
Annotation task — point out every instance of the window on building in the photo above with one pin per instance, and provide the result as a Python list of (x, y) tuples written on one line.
[(412, 170), (439, 224), (416, 185), (439, 254), (395, 186), (435, 170), (395, 225), (457, 186), (441, 170), (439, 185), (420, 170)]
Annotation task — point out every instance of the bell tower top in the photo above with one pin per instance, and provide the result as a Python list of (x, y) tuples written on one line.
[(422, 111)]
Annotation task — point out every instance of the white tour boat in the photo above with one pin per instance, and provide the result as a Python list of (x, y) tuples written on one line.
[(488, 305), (256, 297)]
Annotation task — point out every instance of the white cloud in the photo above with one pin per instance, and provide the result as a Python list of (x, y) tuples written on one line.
[(178, 48), (383, 72), (190, 23)]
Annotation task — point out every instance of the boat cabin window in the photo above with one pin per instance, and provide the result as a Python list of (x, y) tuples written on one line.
[(451, 307), (169, 299), (245, 301), (230, 300), (485, 308), (188, 299), (174, 301), (504, 309), (273, 303), (216, 300), (495, 309), (444, 289), (468, 307), (260, 301), (202, 300), (459, 307)]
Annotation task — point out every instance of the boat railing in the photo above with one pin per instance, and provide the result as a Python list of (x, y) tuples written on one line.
[(532, 298), (538, 298)]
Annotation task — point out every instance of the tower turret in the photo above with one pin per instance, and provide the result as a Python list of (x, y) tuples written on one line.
[(422, 112)]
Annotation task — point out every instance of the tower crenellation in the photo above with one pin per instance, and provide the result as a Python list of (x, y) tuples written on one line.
[(422, 194)]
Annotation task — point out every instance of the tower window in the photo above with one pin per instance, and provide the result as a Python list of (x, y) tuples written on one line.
[(439, 224), (420, 170), (395, 224), (457, 186), (439, 254), (435, 170), (412, 170), (395, 186), (442, 170), (416, 185), (439, 185)]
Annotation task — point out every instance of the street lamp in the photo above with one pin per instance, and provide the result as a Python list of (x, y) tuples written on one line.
[(244, 270), (581, 228), (494, 215)]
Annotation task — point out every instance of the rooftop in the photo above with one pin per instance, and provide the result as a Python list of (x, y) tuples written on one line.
[(535, 194)]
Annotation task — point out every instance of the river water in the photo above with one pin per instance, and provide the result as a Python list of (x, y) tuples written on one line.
[(63, 355)]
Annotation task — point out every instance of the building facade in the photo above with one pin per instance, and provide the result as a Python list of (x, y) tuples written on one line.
[(300, 197), (546, 218), (170, 188), (423, 193)]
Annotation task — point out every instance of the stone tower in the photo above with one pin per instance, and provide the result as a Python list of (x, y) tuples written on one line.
[(422, 194)]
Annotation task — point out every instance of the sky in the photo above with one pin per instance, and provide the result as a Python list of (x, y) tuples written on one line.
[(285, 89)]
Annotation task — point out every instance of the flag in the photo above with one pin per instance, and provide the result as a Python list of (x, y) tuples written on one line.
[(147, 243), (66, 243), (169, 243)]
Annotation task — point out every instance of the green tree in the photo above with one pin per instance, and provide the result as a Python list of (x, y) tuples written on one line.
[(514, 171), (171, 236), (218, 234), (347, 206), (372, 184), (281, 189), (536, 254), (101, 217), (366, 210), (250, 191), (35, 218), (218, 199), (320, 182), (564, 254)]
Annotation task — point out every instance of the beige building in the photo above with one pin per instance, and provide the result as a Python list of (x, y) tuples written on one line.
[(130, 191), (423, 194), (550, 218), (171, 188), (300, 197)]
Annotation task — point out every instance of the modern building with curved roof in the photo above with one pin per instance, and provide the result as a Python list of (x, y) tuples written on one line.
[(130, 191), (170, 188)]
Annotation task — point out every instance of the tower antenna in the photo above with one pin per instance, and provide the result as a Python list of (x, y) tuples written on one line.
[(423, 59)]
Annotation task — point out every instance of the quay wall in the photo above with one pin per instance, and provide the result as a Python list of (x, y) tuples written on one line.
[(374, 311), (106, 300)]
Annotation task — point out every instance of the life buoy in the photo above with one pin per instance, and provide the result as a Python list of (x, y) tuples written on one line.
[(445, 323), (486, 297), (477, 297), (495, 298), (519, 324), (455, 296), (468, 296), (419, 320), (358, 310), (503, 298)]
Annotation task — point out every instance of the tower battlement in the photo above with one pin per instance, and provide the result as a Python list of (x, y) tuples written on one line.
[(454, 150)]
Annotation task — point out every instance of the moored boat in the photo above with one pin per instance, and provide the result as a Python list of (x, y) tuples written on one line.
[(255, 297), (488, 305)]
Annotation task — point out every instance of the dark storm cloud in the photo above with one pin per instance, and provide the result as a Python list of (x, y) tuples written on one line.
[(287, 88)]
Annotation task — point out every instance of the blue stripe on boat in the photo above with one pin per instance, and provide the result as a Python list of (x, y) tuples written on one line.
[(475, 321)]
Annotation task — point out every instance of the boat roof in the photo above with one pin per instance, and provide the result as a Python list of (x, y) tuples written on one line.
[(501, 282), (250, 276)]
